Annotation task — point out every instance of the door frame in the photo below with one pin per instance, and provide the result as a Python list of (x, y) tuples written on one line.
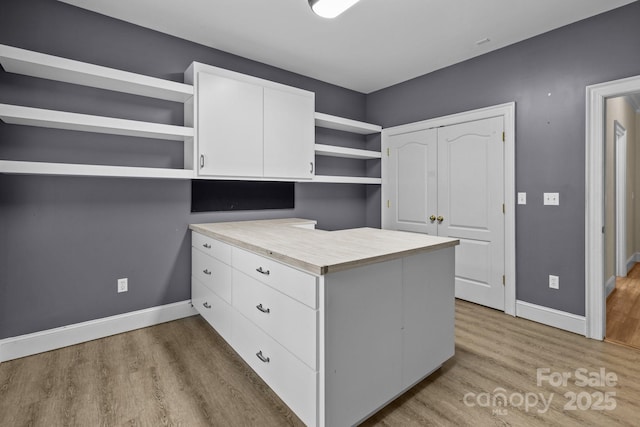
[(507, 112), (596, 95), (620, 141)]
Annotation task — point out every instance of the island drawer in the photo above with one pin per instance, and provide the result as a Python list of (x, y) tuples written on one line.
[(213, 247), (294, 283), (214, 310), (286, 320), (213, 273), (293, 381)]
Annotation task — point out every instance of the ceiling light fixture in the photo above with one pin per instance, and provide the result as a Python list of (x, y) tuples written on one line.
[(330, 8)]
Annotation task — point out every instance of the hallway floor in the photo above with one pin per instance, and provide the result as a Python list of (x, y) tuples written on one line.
[(623, 310)]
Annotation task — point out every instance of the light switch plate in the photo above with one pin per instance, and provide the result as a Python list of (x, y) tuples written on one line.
[(522, 198), (552, 199), (554, 282)]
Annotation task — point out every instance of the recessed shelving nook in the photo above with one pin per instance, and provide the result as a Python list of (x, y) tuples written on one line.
[(346, 125), (34, 64)]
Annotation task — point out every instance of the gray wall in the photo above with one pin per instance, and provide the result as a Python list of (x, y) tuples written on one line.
[(65, 240), (550, 133)]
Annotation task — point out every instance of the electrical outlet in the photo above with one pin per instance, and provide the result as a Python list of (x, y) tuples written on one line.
[(552, 199), (554, 282), (522, 198), (123, 285)]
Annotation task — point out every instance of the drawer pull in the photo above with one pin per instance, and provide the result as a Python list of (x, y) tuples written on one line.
[(206, 305), (261, 271), (206, 245), (262, 358), (206, 271), (262, 309)]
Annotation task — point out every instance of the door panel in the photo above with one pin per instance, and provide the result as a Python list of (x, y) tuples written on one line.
[(470, 198), (288, 134), (413, 182), (230, 127)]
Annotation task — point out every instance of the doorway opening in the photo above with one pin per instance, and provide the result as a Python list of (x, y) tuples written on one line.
[(622, 277), (595, 218)]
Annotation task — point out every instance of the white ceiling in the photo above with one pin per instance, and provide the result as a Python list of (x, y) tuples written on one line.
[(373, 45)]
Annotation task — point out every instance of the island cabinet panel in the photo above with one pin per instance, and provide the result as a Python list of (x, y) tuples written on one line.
[(428, 313), (362, 341), (335, 347)]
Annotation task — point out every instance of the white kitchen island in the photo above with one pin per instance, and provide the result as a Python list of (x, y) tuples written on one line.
[(337, 323)]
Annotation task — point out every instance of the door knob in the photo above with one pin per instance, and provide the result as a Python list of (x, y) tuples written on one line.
[(432, 218), (440, 218)]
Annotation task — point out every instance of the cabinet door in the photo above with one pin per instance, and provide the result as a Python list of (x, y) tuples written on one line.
[(229, 127), (288, 134)]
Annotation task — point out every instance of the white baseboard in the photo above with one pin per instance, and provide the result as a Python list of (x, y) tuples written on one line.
[(632, 261), (51, 339), (610, 286), (551, 317)]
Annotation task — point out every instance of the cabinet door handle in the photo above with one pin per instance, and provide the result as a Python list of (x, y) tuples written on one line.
[(311, 163), (261, 271), (262, 358), (201, 160), (206, 245), (440, 218), (262, 309), (207, 305), (207, 272)]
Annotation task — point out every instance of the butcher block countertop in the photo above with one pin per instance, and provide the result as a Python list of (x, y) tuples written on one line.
[(320, 252)]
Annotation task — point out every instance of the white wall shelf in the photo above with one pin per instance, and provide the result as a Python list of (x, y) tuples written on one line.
[(349, 153), (346, 125), (42, 168), (346, 179), (20, 61), (34, 64), (352, 126), (14, 114)]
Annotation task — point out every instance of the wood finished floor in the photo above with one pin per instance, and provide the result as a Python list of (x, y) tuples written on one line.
[(623, 310), (183, 374)]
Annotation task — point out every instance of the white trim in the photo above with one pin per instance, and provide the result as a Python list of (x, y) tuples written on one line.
[(610, 285), (551, 317), (507, 111), (620, 143), (594, 195), (51, 339), (632, 261)]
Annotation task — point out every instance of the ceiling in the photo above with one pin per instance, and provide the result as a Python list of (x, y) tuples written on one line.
[(373, 45)]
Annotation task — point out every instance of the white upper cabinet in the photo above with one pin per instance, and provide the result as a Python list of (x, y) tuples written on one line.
[(229, 129), (250, 128), (288, 134)]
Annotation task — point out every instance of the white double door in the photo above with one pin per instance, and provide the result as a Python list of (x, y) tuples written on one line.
[(449, 181)]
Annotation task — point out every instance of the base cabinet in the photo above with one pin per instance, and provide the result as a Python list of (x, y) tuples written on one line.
[(338, 347)]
